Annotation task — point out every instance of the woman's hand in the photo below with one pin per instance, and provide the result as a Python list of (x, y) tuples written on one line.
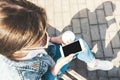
[(64, 39), (57, 40), (60, 63)]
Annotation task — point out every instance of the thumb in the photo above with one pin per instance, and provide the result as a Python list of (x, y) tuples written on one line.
[(69, 58)]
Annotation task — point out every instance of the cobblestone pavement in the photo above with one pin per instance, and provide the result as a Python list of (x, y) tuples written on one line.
[(97, 22)]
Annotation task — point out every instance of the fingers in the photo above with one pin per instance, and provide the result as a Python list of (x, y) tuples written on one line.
[(69, 58)]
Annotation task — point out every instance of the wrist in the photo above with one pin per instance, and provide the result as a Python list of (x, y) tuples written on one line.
[(50, 38), (55, 70)]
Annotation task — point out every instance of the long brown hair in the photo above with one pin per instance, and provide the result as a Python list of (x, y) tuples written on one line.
[(22, 23)]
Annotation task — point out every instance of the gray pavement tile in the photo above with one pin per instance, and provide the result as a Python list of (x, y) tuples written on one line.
[(108, 6), (94, 32), (115, 40), (76, 25), (97, 49), (68, 28), (119, 72), (103, 31), (114, 78), (79, 35), (92, 17), (101, 16), (112, 23), (87, 38), (51, 31), (83, 13), (92, 75), (84, 25), (80, 67), (102, 74), (113, 72), (103, 78), (107, 48), (57, 33)]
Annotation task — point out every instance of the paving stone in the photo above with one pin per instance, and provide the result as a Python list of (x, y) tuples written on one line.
[(102, 74), (51, 31), (78, 35), (111, 21), (94, 32), (119, 72), (76, 16), (57, 32), (112, 26), (74, 64), (101, 16), (108, 9), (92, 75), (67, 28), (87, 38), (103, 78), (107, 48), (84, 25), (76, 25), (115, 39), (83, 13), (92, 17), (97, 49), (113, 72), (114, 78), (85, 31), (103, 30), (80, 67)]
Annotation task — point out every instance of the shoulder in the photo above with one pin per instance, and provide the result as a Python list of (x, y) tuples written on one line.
[(8, 73)]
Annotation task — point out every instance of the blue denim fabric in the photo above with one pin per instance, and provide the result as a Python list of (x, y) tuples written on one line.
[(39, 66), (54, 51), (32, 69), (85, 55), (6, 71)]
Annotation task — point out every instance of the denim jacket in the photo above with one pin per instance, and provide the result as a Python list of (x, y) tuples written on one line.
[(32, 69)]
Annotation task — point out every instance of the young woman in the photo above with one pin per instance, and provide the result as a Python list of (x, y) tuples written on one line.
[(24, 50)]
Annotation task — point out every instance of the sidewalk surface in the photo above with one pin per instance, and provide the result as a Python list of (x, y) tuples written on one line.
[(97, 22)]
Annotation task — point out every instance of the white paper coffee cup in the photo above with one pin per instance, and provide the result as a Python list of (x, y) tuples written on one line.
[(68, 37)]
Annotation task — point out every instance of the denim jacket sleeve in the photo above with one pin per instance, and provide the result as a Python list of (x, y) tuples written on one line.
[(32, 69), (7, 72)]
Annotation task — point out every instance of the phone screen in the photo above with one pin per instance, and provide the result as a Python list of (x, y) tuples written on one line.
[(72, 48)]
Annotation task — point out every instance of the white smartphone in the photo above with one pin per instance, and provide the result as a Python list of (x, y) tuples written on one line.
[(71, 48)]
